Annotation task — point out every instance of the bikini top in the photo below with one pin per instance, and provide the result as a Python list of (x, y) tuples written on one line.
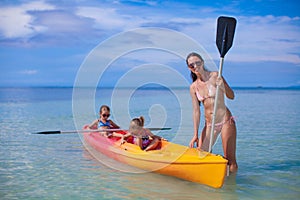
[(101, 124), (202, 98)]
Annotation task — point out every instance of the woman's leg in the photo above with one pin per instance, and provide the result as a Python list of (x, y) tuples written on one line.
[(202, 137), (229, 144)]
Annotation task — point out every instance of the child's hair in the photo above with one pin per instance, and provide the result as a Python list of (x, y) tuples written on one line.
[(137, 123), (103, 108)]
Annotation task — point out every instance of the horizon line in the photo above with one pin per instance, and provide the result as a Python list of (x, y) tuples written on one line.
[(155, 87)]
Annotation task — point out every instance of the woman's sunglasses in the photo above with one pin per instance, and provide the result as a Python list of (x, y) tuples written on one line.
[(193, 65)]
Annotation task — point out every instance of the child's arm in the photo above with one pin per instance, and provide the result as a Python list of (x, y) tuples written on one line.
[(113, 124), (122, 136), (93, 124), (154, 136)]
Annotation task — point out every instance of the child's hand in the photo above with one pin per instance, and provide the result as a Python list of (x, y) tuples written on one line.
[(122, 141)]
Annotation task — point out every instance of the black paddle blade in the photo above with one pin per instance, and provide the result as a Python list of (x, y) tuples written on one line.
[(48, 132), (225, 34), (159, 129)]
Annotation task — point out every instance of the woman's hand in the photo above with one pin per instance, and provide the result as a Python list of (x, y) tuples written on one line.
[(193, 141), (219, 81)]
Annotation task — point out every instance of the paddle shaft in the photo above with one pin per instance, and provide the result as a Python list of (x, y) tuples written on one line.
[(93, 130), (215, 107)]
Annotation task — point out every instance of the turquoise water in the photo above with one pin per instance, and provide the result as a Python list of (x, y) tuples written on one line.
[(59, 167)]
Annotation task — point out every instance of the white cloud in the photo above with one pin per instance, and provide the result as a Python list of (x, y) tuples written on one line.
[(17, 22), (29, 72), (108, 18), (257, 38), (267, 38), (146, 2)]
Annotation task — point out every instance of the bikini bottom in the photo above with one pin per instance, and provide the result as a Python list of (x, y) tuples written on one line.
[(219, 126)]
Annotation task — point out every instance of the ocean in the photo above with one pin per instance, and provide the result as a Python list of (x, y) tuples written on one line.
[(58, 166)]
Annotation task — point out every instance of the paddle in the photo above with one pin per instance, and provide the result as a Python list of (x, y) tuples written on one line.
[(93, 130), (225, 34)]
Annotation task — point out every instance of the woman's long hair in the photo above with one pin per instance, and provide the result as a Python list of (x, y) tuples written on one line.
[(193, 75)]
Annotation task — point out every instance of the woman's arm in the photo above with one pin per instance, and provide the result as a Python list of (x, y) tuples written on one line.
[(196, 116), (223, 85), (229, 92)]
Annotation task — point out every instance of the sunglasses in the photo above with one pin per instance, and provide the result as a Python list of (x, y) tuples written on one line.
[(193, 65), (105, 115)]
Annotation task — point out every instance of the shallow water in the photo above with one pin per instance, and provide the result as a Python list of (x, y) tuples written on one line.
[(59, 167)]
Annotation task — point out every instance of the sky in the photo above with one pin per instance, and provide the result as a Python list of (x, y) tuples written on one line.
[(49, 42)]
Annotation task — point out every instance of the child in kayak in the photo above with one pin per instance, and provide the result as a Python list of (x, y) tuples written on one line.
[(103, 122), (142, 137)]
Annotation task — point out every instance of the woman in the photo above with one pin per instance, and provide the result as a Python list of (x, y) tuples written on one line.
[(203, 90)]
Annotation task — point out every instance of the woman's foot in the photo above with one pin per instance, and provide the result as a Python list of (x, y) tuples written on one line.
[(233, 167)]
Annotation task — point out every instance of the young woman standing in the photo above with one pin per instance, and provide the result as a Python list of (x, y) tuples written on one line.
[(203, 91)]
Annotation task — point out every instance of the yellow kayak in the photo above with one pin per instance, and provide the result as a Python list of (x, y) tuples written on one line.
[(170, 159)]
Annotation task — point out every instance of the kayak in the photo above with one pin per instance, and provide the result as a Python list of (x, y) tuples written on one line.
[(169, 159)]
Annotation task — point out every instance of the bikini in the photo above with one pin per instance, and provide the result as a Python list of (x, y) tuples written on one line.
[(101, 124), (145, 141), (201, 98), (107, 124), (218, 126)]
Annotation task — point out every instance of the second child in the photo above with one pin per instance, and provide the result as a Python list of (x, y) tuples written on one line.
[(142, 137)]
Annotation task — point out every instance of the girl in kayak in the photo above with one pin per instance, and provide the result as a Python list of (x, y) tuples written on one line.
[(103, 122), (142, 137), (203, 91)]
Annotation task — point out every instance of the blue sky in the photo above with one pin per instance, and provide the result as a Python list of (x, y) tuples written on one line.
[(44, 43)]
